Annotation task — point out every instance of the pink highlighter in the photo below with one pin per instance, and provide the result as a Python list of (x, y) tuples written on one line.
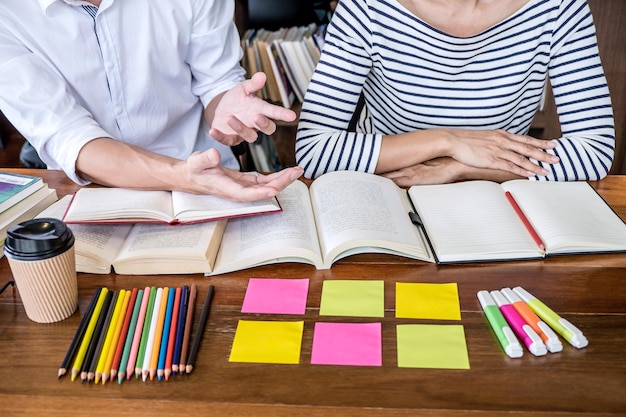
[(527, 335)]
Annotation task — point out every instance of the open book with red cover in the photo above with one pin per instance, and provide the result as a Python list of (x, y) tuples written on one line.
[(121, 205)]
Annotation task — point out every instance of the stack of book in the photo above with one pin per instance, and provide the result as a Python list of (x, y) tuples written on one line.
[(22, 197), (287, 56)]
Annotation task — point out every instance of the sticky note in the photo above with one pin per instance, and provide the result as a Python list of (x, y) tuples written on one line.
[(353, 298), (432, 346), (276, 296), (427, 301), (267, 342), (358, 344)]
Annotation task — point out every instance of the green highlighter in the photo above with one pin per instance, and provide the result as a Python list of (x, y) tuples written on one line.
[(501, 328)]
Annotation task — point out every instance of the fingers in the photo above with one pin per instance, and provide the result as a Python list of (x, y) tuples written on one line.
[(280, 179), (524, 147), (200, 161), (266, 186)]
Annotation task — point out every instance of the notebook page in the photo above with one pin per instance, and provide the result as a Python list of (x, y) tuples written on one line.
[(569, 216), (472, 221)]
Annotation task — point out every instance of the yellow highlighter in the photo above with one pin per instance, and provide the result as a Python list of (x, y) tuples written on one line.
[(563, 327)]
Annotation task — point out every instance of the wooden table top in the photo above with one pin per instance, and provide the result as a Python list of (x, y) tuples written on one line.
[(588, 290)]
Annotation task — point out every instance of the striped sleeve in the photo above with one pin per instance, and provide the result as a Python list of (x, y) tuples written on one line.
[(582, 98), (323, 143)]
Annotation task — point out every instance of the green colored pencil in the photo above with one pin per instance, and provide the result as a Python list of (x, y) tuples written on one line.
[(144, 334), (129, 337)]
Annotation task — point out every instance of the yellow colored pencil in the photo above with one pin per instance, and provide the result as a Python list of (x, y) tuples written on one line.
[(104, 354), (116, 336), (154, 358), (82, 350)]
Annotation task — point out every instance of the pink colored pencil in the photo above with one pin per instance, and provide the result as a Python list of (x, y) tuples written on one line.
[(130, 368)]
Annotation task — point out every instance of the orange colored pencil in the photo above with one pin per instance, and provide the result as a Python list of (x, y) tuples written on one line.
[(154, 358)]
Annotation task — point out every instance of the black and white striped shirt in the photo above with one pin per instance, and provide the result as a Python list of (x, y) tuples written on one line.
[(414, 77)]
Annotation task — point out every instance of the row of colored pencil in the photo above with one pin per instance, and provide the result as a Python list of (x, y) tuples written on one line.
[(141, 332)]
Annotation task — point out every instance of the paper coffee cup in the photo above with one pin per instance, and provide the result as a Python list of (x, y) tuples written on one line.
[(41, 256)]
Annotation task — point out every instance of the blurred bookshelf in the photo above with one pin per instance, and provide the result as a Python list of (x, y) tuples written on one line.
[(283, 39)]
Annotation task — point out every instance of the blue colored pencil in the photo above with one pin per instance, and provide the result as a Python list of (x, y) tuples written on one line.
[(166, 331), (182, 308)]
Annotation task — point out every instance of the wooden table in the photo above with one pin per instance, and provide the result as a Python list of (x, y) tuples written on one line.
[(588, 290)]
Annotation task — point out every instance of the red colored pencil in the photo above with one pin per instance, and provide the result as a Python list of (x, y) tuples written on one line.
[(527, 224)]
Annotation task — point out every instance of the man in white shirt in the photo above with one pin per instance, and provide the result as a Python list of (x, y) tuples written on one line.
[(145, 94)]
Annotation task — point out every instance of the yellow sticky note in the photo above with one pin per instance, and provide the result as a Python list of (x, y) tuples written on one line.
[(267, 342), (353, 298), (432, 346), (427, 301)]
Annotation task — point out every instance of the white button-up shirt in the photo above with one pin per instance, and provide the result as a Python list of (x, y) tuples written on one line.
[(139, 71)]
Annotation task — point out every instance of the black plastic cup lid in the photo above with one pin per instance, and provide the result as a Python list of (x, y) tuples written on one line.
[(38, 239)]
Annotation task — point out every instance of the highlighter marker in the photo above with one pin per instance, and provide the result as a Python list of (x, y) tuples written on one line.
[(539, 326), (563, 327), (528, 336), (501, 328)]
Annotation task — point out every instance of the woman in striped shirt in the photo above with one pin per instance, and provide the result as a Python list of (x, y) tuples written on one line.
[(450, 91)]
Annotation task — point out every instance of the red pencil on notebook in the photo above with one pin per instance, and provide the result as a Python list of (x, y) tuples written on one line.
[(522, 216)]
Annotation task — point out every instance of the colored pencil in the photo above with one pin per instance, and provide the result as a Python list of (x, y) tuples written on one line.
[(95, 344), (169, 355), (134, 350), (158, 334), (182, 309), (145, 333), (110, 329), (204, 314), (169, 311), (188, 325), (121, 344), (115, 340), (130, 334), (145, 369), (84, 344), (78, 336)]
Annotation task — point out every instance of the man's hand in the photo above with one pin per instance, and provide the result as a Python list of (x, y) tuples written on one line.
[(209, 177), (238, 114)]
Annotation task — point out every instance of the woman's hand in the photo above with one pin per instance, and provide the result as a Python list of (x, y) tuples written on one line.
[(500, 150)]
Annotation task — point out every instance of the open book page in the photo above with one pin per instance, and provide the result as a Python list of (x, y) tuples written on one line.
[(165, 249), (193, 207), (358, 213), (277, 237), (102, 204), (569, 216), (95, 245), (472, 221)]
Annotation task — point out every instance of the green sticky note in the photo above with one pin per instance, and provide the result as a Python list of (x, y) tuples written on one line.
[(267, 342), (432, 346), (353, 298), (427, 301)]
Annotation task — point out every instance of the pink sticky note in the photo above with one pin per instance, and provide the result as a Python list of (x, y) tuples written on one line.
[(276, 296), (358, 344)]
